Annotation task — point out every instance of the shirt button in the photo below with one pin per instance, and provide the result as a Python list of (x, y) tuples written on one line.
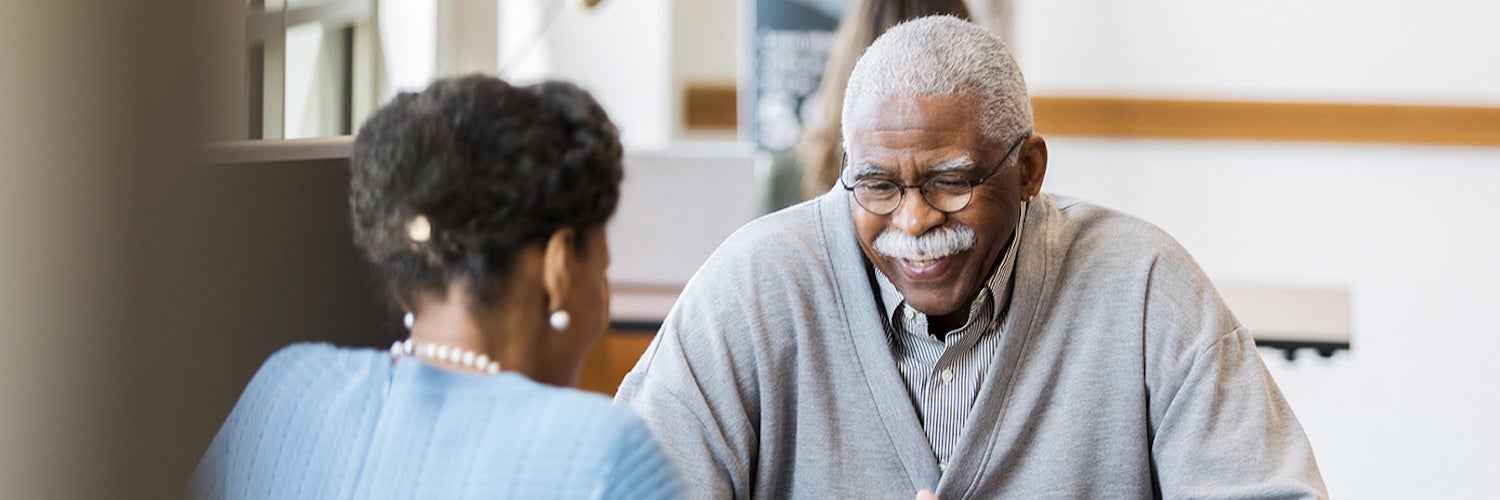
[(910, 313), (947, 375), (943, 466)]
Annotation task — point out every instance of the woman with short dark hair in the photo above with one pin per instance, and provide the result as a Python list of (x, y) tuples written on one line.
[(483, 206)]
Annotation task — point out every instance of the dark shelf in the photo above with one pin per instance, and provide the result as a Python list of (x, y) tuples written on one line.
[(1289, 348)]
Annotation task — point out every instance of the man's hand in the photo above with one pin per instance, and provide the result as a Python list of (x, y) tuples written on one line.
[(926, 495)]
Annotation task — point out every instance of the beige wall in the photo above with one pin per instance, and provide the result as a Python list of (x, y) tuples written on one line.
[(67, 200), (139, 291), (245, 259)]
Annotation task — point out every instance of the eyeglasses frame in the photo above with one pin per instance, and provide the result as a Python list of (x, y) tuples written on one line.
[(922, 188)]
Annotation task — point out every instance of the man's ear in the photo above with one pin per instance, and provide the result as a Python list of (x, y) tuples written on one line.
[(557, 272), (1033, 166)]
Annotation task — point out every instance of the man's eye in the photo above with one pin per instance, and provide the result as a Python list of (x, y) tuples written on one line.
[(950, 184), (877, 187)]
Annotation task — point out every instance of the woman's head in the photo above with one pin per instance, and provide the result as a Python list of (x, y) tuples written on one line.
[(449, 185)]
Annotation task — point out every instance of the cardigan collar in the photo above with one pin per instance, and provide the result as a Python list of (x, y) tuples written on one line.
[(865, 335)]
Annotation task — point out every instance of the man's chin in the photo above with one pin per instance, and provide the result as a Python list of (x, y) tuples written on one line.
[(931, 306)]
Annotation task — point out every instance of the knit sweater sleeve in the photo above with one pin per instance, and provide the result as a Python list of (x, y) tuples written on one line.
[(1220, 427), (1229, 433), (689, 404)]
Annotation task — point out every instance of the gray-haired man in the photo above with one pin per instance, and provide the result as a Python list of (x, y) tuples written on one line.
[(935, 322)]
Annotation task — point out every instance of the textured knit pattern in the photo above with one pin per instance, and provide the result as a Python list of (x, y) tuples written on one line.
[(324, 422), (1120, 374)]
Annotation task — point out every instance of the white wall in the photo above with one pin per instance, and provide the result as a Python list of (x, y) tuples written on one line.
[(705, 37), (676, 207), (705, 50), (408, 45), (1322, 50), (1411, 231), (636, 56), (620, 51)]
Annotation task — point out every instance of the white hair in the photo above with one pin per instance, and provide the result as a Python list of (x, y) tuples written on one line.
[(944, 55)]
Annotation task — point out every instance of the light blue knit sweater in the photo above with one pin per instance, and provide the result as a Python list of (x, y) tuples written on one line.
[(319, 421)]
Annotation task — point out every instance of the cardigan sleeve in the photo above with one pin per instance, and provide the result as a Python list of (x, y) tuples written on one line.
[(1220, 428), (1228, 433), (703, 429)]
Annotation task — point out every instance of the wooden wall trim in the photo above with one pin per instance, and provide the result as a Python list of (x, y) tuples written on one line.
[(1167, 118), (713, 106), (709, 106)]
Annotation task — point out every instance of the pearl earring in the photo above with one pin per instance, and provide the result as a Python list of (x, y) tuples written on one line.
[(408, 320), (560, 320)]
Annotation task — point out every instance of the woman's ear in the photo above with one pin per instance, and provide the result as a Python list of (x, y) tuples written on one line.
[(557, 261), (401, 300)]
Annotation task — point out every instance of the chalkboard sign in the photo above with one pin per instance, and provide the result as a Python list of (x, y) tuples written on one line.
[(790, 47)]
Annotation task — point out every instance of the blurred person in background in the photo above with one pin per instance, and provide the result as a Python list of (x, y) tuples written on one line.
[(483, 206), (812, 167)]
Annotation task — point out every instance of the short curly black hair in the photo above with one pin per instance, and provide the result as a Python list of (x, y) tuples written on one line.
[(491, 167)]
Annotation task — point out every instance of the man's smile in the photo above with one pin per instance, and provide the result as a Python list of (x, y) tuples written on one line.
[(927, 269)]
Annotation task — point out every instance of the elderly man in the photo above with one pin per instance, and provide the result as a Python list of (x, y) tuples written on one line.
[(935, 322)]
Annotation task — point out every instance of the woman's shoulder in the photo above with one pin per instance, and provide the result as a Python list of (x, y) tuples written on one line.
[(611, 441), (305, 362), (581, 410), (308, 372), (562, 417), (279, 426), (310, 354)]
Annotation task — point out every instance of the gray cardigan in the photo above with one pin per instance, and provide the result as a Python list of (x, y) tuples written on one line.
[(1122, 374)]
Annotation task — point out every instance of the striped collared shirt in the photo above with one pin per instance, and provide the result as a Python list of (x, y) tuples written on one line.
[(943, 376)]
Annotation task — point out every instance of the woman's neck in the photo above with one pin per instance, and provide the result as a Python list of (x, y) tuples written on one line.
[(508, 331)]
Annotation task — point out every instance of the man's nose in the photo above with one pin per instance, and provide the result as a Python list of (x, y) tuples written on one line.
[(915, 216)]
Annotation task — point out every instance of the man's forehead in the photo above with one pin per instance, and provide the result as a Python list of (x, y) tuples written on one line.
[(956, 164)]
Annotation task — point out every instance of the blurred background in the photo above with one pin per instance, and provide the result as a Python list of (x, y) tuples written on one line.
[(173, 173)]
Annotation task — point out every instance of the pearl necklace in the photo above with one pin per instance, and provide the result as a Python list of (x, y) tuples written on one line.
[(446, 354)]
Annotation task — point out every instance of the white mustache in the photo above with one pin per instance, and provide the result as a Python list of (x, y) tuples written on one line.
[(939, 243)]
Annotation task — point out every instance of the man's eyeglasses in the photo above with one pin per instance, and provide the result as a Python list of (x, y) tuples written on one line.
[(947, 193)]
